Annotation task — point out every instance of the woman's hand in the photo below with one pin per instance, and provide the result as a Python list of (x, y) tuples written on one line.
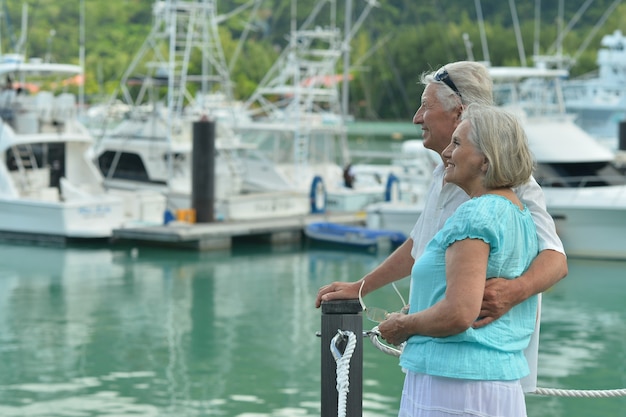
[(394, 329)]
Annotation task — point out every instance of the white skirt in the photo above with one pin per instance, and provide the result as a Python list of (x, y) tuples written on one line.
[(433, 396)]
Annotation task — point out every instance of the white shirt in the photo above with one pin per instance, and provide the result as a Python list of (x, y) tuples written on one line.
[(443, 200)]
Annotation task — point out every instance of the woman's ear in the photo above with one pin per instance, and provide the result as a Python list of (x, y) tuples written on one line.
[(485, 165)]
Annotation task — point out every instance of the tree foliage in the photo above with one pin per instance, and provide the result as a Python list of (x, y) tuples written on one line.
[(399, 41)]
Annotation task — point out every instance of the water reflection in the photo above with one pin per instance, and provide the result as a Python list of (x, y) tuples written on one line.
[(148, 332)]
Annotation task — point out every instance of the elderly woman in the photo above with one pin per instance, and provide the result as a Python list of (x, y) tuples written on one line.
[(452, 368)]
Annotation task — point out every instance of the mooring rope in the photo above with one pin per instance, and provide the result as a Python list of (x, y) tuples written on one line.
[(580, 393), (374, 335), (343, 367)]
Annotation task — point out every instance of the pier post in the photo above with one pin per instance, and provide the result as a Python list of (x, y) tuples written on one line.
[(203, 170), (622, 136), (342, 315)]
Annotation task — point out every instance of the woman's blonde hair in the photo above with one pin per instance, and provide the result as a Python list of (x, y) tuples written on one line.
[(499, 135)]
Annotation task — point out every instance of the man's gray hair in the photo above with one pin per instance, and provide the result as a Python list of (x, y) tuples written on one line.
[(471, 79)]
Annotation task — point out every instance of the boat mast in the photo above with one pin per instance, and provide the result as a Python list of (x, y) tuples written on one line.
[(81, 58)]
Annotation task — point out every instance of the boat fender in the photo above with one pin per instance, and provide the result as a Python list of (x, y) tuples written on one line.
[(392, 189), (318, 195)]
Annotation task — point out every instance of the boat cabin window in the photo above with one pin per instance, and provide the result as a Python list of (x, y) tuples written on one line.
[(128, 167), (583, 174)]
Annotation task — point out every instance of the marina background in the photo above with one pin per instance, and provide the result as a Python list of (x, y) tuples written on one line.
[(121, 330)]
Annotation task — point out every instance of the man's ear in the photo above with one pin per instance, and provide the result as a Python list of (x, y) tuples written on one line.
[(460, 110)]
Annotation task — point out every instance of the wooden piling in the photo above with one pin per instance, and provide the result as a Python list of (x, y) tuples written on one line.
[(342, 315), (203, 170)]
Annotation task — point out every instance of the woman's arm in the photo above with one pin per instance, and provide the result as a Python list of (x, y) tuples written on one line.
[(466, 270)]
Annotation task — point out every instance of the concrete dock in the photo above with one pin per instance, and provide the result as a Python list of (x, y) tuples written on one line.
[(220, 235)]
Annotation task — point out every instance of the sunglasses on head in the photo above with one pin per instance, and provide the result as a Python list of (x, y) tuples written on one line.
[(443, 76)]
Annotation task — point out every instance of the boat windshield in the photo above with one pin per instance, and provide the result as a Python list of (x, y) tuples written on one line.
[(579, 174)]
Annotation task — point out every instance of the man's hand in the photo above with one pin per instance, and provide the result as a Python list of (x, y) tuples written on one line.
[(499, 297), (338, 291)]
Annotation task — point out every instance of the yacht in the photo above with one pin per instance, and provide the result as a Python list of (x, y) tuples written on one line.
[(585, 193), (49, 188), (151, 147), (297, 114), (599, 100)]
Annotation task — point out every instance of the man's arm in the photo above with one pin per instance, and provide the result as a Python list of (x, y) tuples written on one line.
[(548, 268), (397, 266)]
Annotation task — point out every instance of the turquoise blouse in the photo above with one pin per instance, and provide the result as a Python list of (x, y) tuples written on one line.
[(495, 351)]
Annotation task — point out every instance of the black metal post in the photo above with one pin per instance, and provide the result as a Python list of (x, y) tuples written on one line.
[(342, 315), (622, 136), (203, 171)]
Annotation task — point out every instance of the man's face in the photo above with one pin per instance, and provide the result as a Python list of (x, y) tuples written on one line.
[(437, 123)]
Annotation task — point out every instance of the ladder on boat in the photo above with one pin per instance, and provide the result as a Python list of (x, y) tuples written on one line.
[(25, 161)]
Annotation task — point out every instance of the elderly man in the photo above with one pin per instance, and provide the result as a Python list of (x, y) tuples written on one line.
[(448, 91)]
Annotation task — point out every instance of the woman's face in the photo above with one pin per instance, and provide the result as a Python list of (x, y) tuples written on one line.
[(465, 164)]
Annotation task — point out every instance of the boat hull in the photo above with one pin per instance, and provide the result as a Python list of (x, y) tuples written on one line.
[(353, 236), (74, 220), (393, 216), (263, 206), (591, 232)]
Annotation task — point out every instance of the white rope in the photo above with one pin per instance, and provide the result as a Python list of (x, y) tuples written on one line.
[(393, 351), (343, 367), (590, 393), (397, 351)]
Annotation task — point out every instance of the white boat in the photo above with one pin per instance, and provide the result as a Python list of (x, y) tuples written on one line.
[(599, 100), (151, 147), (585, 193), (49, 188), (298, 114)]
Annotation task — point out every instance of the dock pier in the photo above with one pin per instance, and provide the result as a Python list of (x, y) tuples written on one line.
[(220, 235)]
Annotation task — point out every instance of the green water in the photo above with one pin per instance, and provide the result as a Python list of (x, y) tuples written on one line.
[(149, 332)]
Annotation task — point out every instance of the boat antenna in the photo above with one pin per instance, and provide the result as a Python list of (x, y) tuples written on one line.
[(81, 58), (595, 29), (244, 35), (345, 88), (518, 33), (481, 28), (558, 43), (537, 27), (468, 46), (22, 40), (2, 10)]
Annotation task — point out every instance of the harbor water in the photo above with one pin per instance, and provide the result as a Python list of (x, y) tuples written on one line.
[(136, 331)]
